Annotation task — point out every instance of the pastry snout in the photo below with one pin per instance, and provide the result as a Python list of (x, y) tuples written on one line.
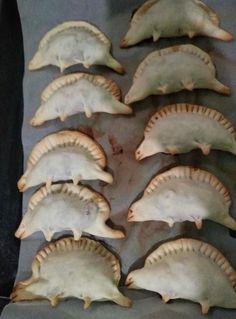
[(129, 282), (131, 216), (124, 43), (22, 184), (20, 233), (139, 155)]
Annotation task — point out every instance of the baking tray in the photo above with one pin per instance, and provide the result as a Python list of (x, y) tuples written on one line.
[(119, 135)]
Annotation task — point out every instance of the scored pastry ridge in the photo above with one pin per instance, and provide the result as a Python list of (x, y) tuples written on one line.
[(71, 25), (187, 245), (80, 157), (88, 93), (54, 86), (182, 172), (156, 141), (188, 48), (98, 53), (181, 194), (190, 108), (173, 69), (70, 189), (67, 138), (181, 18), (195, 260), (86, 211), (43, 282)]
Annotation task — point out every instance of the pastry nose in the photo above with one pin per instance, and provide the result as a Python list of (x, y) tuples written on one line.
[(129, 281), (130, 215), (138, 155)]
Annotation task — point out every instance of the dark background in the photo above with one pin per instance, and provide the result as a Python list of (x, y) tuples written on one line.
[(11, 155)]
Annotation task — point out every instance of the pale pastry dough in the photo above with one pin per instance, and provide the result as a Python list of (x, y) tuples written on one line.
[(188, 269), (62, 156), (167, 18), (170, 70), (63, 207), (66, 268), (184, 194), (180, 128), (74, 42), (76, 93)]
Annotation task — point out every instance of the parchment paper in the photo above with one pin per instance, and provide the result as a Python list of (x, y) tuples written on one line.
[(119, 135)]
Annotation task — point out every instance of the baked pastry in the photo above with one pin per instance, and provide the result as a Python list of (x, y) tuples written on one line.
[(74, 42), (66, 268), (170, 70), (184, 194), (188, 269), (87, 93), (180, 128), (62, 156), (63, 207), (167, 18)]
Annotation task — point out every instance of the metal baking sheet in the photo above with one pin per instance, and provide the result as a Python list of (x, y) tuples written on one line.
[(119, 135)]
